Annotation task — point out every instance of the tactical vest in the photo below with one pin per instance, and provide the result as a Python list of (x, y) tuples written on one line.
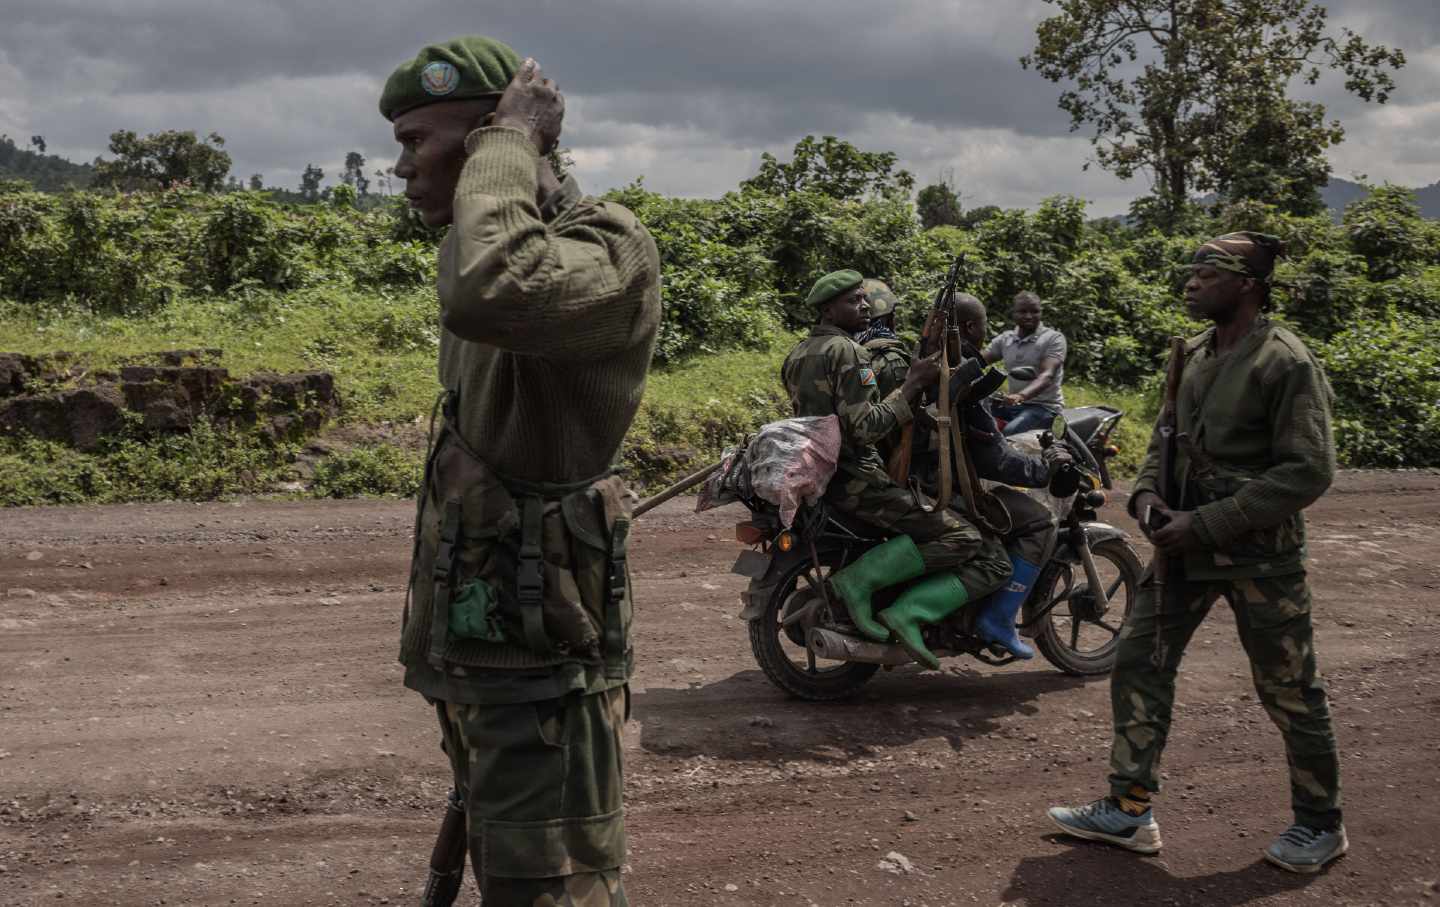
[(512, 574)]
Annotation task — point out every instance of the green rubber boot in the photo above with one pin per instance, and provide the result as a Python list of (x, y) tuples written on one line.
[(931, 600), (888, 564)]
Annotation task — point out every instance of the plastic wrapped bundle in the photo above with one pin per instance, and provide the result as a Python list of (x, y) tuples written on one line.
[(791, 461), (729, 483)]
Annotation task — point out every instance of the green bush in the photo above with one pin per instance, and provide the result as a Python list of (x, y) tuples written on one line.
[(201, 465), (1386, 375), (369, 470)]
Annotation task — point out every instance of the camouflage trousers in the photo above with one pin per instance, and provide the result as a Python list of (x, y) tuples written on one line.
[(542, 788), (1272, 615), (947, 541)]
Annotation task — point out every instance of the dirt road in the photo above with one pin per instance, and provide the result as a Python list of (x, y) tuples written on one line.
[(200, 705)]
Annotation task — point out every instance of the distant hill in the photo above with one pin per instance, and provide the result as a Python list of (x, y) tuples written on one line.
[(45, 172), (1341, 192)]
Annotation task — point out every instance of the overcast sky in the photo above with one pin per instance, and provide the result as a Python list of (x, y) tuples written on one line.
[(686, 93)]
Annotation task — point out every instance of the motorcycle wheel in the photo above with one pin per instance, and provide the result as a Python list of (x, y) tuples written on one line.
[(780, 651), (1070, 627)]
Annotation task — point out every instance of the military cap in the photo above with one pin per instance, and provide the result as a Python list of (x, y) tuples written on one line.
[(882, 300), (459, 70), (832, 285)]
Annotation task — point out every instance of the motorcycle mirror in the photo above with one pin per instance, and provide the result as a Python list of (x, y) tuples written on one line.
[(1023, 373), (1059, 426)]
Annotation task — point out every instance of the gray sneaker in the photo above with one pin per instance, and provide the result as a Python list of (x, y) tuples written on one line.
[(1104, 820), (1301, 848)]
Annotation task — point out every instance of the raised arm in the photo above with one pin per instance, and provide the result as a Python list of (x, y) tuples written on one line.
[(581, 290)]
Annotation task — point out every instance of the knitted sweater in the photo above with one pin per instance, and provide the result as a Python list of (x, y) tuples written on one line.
[(1257, 419), (549, 321)]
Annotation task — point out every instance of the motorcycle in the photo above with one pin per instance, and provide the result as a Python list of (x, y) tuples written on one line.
[(1089, 429), (805, 643)]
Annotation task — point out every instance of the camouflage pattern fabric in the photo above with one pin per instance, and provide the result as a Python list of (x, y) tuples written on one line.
[(1245, 253), (1272, 615), (542, 784), (827, 373), (890, 358), (946, 539)]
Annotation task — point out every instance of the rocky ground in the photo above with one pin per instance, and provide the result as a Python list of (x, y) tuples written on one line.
[(199, 705)]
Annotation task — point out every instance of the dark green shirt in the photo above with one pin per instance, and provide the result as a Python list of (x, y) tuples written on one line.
[(1259, 450)]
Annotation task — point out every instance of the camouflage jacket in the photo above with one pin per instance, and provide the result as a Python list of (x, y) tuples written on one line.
[(827, 373), (1256, 449), (890, 358)]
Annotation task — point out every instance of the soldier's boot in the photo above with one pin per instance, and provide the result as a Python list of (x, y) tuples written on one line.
[(888, 564), (931, 600), (995, 619)]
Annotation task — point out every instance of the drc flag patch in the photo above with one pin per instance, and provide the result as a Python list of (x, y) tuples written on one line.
[(867, 377)]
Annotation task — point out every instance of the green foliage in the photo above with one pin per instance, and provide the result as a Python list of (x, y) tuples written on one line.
[(38, 170), (164, 160), (1386, 374), (201, 465), (938, 206), (369, 470), (1193, 92), (832, 167), (1385, 227)]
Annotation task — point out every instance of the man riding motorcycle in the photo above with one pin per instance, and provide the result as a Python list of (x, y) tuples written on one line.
[(995, 459), (828, 373)]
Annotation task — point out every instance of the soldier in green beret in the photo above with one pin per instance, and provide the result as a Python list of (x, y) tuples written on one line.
[(517, 620), (828, 373), (1256, 448)]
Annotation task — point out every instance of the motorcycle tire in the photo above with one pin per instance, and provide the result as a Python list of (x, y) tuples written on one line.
[(767, 633), (1062, 652)]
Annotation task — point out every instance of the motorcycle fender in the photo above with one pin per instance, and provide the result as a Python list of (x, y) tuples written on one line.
[(1095, 533), (764, 571)]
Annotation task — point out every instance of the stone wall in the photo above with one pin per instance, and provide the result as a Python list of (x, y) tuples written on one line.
[(57, 397)]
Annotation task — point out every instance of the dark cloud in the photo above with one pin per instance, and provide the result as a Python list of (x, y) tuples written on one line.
[(687, 93)]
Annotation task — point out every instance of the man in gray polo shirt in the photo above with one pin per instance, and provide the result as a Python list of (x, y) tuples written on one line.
[(1029, 404)]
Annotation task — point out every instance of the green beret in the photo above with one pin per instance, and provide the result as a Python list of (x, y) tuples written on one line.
[(832, 285), (882, 300), (460, 70)]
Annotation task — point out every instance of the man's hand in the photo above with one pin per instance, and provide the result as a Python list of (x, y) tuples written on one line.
[(534, 105), (1178, 534), (1056, 458), (922, 374), (1013, 399), (1145, 503)]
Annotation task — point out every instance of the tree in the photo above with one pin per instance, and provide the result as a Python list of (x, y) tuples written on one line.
[(354, 175), (38, 142), (1170, 87), (835, 168), (162, 160), (257, 182), (310, 182), (938, 205), (1279, 159)]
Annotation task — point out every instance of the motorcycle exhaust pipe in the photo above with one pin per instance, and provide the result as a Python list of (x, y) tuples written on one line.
[(834, 646)]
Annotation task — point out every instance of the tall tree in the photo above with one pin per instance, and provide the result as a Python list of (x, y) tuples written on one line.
[(257, 182), (832, 167), (310, 182), (938, 204), (1171, 86), (354, 175), (164, 159), (38, 142)]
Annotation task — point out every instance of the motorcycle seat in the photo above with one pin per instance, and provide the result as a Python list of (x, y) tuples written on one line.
[(1084, 420)]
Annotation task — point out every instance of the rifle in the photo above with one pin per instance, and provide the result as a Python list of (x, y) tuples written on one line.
[(447, 860), (1166, 487), (938, 329)]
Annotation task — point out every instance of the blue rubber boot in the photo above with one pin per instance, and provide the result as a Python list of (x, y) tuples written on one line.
[(995, 620)]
